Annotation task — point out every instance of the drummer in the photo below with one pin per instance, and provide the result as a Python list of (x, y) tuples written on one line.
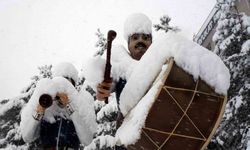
[(138, 34)]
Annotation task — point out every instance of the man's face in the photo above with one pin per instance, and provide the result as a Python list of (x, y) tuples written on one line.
[(138, 44)]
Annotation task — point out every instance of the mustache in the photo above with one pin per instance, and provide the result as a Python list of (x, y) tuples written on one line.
[(140, 44)]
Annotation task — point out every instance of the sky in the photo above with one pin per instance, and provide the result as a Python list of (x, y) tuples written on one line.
[(34, 33)]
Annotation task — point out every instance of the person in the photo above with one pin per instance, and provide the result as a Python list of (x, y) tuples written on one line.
[(61, 125), (139, 37), (138, 34)]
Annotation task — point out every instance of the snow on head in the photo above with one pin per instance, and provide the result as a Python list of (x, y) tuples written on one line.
[(65, 69), (137, 23)]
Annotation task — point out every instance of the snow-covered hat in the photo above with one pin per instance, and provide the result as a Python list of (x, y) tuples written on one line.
[(137, 23), (65, 69)]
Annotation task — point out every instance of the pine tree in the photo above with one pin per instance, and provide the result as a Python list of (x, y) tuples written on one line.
[(232, 39), (10, 135), (106, 119), (101, 43), (164, 25)]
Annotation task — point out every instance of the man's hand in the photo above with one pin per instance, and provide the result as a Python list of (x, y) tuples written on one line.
[(38, 115), (62, 99), (40, 109), (103, 90)]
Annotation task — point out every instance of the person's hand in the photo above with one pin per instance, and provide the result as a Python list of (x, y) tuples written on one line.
[(62, 99), (40, 109), (103, 90)]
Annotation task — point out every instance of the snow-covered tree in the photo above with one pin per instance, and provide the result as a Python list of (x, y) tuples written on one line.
[(164, 25), (106, 119), (101, 44), (80, 81), (10, 135), (232, 39)]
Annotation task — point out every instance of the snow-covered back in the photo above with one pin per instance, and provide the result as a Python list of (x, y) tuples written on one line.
[(65, 69), (137, 23), (190, 56)]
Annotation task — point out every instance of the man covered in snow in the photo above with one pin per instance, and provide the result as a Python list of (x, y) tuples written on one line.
[(137, 87), (68, 122), (138, 34)]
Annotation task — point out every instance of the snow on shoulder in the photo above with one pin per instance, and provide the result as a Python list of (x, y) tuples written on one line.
[(122, 63), (139, 92)]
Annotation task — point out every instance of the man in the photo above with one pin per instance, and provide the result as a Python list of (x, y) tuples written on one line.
[(138, 34), (61, 125)]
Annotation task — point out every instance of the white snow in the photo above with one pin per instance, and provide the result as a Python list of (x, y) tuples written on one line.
[(190, 56), (122, 63), (245, 47), (137, 23), (93, 70), (104, 140), (238, 102), (248, 143), (10, 104), (108, 108), (11, 147), (122, 66), (65, 69), (246, 22)]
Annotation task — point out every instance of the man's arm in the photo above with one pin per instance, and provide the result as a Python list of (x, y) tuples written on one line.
[(103, 90)]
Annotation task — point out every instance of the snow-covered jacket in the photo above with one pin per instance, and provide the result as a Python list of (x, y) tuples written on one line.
[(83, 116)]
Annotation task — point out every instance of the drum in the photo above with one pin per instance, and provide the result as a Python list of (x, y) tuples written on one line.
[(184, 116)]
